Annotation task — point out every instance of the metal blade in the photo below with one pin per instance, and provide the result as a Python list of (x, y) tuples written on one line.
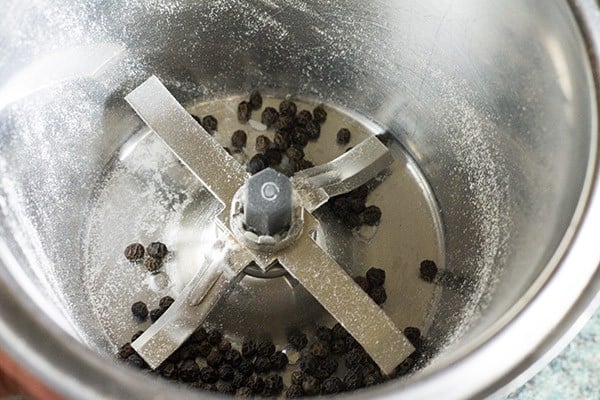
[(346, 301), (347, 172)]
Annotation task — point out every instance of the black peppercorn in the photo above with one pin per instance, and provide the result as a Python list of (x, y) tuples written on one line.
[(405, 367), (239, 139), (320, 115), (428, 270), (239, 380), (170, 371), (311, 385), (243, 392), (189, 371), (226, 372), (257, 384), (205, 348), (262, 364), (353, 379), (197, 119), (190, 351), (378, 294), (152, 264), (269, 117), (244, 111), (287, 108), (209, 123), (303, 118), (412, 333), (360, 193), (308, 364), (165, 302), (278, 361), (199, 335), (372, 378), (363, 283), (298, 340), (249, 349), (354, 358), (339, 332), (224, 346), (297, 377), (134, 252), (257, 163), (281, 141), (326, 368), (294, 153), (265, 349), (285, 123), (136, 361), (228, 150), (357, 205), (302, 164), (232, 357), (136, 335), (313, 130), (215, 358), (332, 385), (343, 136), (225, 388), (139, 310), (274, 156), (376, 277), (155, 314), (246, 367), (300, 137), (319, 350), (341, 207), (338, 346), (256, 100), (125, 351), (371, 215), (350, 343), (273, 385), (209, 374), (262, 143), (214, 337), (294, 392), (157, 250), (352, 221)]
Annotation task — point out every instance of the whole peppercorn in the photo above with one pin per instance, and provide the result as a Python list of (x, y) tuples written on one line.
[(257, 163), (239, 139), (262, 143), (224, 346), (228, 150), (136, 361), (244, 111), (341, 207), (372, 378), (209, 123), (226, 372), (376, 277), (274, 156), (197, 119), (165, 302), (232, 357), (299, 137), (155, 314), (199, 335), (298, 340), (320, 115), (214, 337), (428, 270), (265, 349), (273, 385), (297, 377), (352, 221), (134, 252), (294, 392), (339, 332), (246, 367), (139, 310), (225, 388), (243, 392), (338, 346), (363, 283), (257, 384), (378, 294), (405, 367), (209, 374), (287, 108), (311, 385), (319, 350), (371, 215), (136, 335), (269, 117), (294, 153), (326, 368), (313, 130), (239, 380), (308, 364), (152, 264), (205, 348), (278, 361), (413, 335), (256, 100), (303, 118), (189, 371), (354, 358), (350, 343), (190, 351), (332, 385), (343, 136), (353, 379), (302, 164), (360, 193), (125, 351), (281, 141), (357, 205), (285, 123), (262, 364), (249, 349), (157, 250), (170, 371), (215, 358)]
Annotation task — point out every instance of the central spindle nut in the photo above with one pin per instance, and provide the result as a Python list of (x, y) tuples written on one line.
[(268, 203)]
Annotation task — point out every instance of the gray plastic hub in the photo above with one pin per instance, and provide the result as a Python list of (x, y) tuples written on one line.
[(268, 202)]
